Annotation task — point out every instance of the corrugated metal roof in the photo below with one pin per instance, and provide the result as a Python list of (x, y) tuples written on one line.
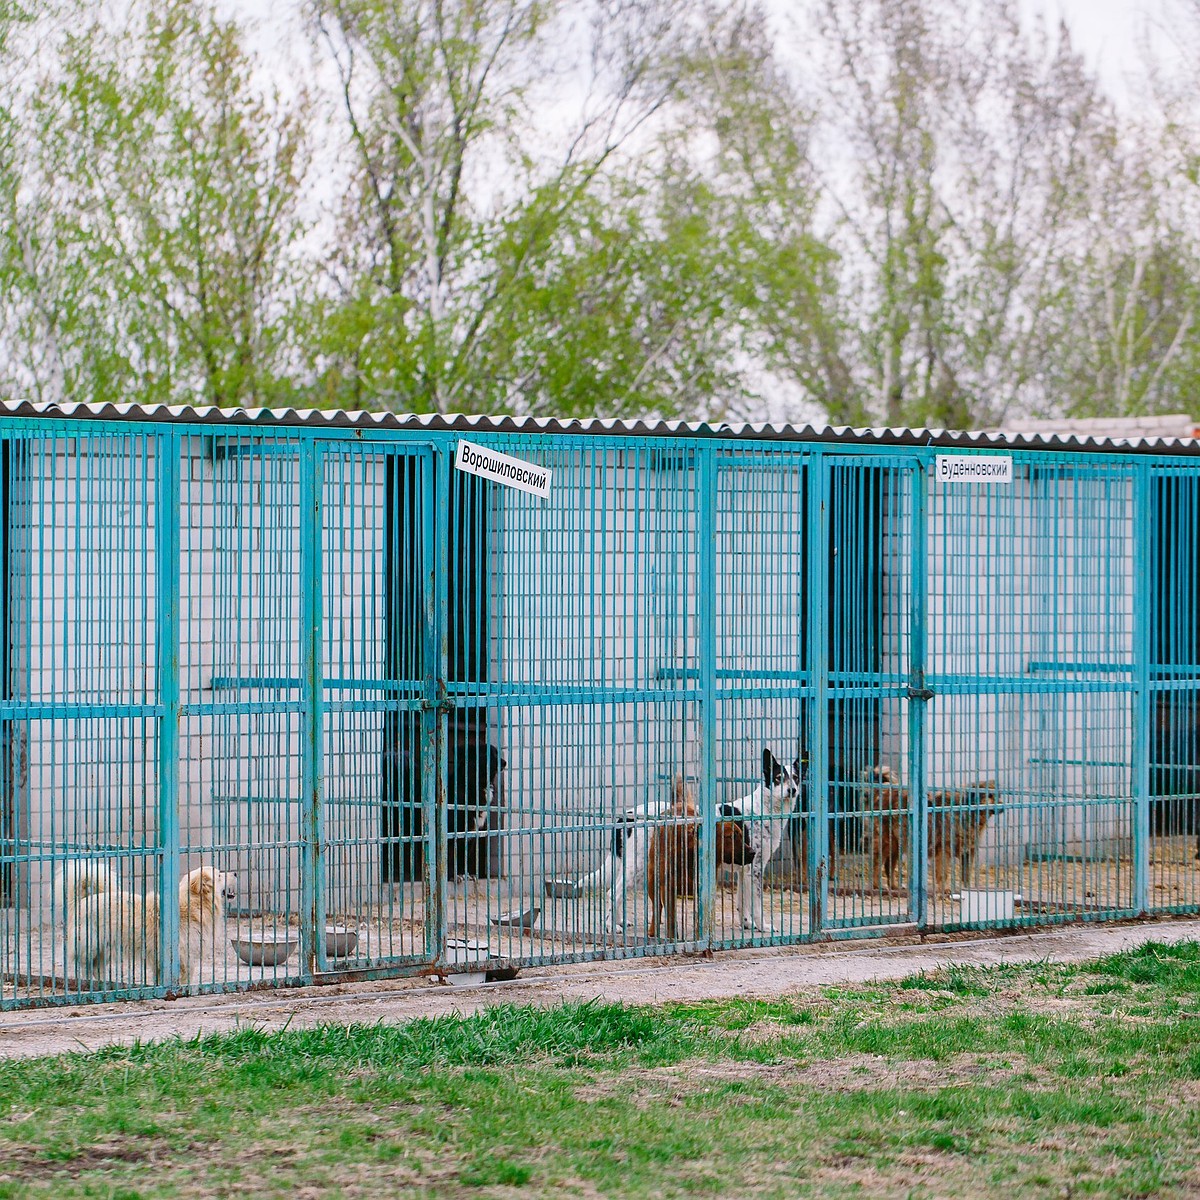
[(1176, 425), (463, 423)]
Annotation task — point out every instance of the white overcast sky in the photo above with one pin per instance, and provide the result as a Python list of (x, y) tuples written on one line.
[(1110, 33)]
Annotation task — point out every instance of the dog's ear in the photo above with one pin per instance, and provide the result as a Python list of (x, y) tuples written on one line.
[(496, 763), (772, 771)]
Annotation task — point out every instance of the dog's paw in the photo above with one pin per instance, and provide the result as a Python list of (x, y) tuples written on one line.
[(759, 927)]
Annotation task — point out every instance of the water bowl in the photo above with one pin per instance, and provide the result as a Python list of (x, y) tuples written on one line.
[(266, 949), (991, 905), (340, 942)]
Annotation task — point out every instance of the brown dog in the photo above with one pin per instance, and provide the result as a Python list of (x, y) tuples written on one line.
[(956, 823), (674, 852), (886, 810)]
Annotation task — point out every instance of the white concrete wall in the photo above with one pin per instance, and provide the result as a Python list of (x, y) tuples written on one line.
[(83, 600), (596, 587), (1033, 581)]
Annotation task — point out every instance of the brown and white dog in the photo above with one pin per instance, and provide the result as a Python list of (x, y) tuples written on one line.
[(673, 854), (624, 869), (107, 927)]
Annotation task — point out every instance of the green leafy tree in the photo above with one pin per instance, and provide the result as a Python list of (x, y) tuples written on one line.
[(159, 215), (473, 210), (1004, 243)]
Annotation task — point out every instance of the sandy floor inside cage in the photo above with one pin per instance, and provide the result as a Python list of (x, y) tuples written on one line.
[(517, 920)]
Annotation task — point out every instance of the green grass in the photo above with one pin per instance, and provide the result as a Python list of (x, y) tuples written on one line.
[(1037, 1080)]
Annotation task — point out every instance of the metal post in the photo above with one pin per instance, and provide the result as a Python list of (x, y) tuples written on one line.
[(312, 946), (436, 528), (1143, 601), (706, 549), (167, 654), (918, 876), (817, 625)]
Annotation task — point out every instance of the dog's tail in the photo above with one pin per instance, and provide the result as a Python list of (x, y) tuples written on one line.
[(602, 877), (681, 795), (81, 878)]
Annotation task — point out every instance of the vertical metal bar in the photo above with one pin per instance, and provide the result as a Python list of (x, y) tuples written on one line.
[(167, 654), (706, 527), (817, 624), (918, 881), (312, 947), (1143, 600), (436, 532)]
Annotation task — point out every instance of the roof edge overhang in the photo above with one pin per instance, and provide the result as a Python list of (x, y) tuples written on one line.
[(595, 426)]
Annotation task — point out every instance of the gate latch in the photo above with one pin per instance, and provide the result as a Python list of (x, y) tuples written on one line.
[(917, 689), (442, 703)]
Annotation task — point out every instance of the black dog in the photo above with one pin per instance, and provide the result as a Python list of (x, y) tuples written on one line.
[(474, 809), (472, 795)]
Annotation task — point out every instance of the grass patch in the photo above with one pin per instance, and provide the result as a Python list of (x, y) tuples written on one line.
[(1012, 1081)]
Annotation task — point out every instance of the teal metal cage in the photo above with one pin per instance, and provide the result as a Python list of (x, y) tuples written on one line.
[(424, 720)]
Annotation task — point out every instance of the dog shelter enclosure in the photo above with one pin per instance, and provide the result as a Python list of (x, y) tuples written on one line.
[(409, 706)]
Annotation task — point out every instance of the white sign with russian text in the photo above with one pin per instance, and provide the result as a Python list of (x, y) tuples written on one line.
[(503, 468), (974, 468)]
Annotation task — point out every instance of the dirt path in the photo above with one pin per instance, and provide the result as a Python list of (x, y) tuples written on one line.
[(760, 973)]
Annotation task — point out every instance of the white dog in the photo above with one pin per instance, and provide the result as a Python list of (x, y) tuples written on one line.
[(764, 813), (106, 926)]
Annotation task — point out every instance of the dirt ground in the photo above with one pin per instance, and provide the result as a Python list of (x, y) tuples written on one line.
[(758, 973)]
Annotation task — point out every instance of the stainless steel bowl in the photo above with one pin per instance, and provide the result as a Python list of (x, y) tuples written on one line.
[(340, 942), (522, 918), (563, 889), (265, 950)]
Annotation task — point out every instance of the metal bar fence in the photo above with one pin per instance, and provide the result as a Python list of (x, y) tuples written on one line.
[(288, 704)]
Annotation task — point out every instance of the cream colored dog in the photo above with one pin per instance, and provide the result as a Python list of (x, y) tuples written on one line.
[(107, 926)]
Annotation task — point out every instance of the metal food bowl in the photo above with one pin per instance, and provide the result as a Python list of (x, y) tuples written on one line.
[(340, 942), (265, 949), (523, 919), (563, 889), (463, 954)]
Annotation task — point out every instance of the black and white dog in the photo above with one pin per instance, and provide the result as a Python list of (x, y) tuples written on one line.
[(767, 812), (764, 814)]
